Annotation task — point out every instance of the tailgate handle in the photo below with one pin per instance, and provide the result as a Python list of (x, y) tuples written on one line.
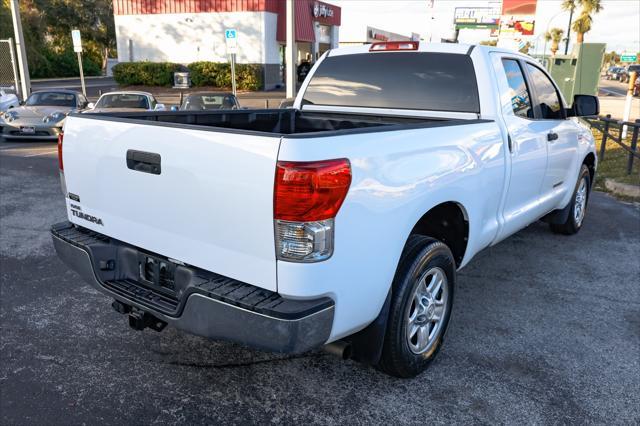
[(145, 162)]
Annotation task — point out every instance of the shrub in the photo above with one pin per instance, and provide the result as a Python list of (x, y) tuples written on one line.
[(64, 63), (145, 73), (218, 74)]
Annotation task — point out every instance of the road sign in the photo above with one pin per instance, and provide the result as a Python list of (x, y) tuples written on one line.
[(628, 58), (77, 47), (77, 41), (231, 37)]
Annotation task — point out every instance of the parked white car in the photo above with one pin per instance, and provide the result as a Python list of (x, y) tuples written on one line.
[(340, 221), (125, 101), (8, 101)]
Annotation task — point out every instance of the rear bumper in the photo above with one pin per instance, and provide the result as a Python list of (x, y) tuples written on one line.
[(201, 302)]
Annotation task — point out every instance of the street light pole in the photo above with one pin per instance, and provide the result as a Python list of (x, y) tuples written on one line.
[(566, 43), (22, 54), (290, 51)]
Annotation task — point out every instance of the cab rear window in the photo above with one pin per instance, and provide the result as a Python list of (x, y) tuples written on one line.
[(403, 80)]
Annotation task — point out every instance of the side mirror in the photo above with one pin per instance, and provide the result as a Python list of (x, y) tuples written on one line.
[(585, 106), (159, 107), (91, 105), (175, 108)]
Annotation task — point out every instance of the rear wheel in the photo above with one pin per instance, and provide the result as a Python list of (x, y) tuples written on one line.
[(422, 298), (578, 205)]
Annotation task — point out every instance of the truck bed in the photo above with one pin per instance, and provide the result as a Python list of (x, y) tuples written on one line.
[(281, 122), (197, 187)]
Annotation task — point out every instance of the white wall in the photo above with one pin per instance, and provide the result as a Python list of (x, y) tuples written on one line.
[(271, 45), (189, 37)]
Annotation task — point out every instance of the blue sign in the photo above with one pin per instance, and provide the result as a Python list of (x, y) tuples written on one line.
[(230, 34)]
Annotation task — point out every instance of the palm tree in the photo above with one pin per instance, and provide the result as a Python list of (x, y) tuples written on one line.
[(555, 36), (582, 24)]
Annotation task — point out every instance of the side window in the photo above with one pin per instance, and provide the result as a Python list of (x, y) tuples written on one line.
[(550, 105), (520, 98)]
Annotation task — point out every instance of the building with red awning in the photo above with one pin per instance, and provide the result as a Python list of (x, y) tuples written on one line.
[(185, 31)]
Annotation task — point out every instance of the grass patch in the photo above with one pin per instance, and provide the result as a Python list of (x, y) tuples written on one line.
[(614, 164)]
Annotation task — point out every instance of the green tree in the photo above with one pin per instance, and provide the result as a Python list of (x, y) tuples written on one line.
[(94, 19), (555, 36), (582, 24), (47, 26)]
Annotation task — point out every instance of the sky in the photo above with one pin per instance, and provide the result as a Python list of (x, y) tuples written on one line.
[(618, 24)]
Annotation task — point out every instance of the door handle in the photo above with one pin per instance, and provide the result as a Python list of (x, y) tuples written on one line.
[(145, 162), (552, 136)]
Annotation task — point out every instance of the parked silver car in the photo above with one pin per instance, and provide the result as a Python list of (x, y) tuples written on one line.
[(42, 115)]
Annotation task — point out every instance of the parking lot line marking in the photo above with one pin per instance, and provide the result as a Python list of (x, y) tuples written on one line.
[(15, 145), (613, 92), (55, 151)]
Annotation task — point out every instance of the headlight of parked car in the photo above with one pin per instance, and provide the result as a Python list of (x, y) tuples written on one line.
[(9, 116), (54, 117)]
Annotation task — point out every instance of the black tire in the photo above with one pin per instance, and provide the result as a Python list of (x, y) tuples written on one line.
[(572, 225), (420, 255)]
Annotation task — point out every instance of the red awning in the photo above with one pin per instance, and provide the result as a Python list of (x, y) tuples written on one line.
[(306, 13)]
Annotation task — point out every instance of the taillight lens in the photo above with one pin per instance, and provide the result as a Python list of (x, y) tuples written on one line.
[(60, 165), (393, 45), (307, 197), (310, 191)]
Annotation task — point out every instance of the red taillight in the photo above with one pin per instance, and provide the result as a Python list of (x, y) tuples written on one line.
[(310, 191), (394, 45), (60, 165)]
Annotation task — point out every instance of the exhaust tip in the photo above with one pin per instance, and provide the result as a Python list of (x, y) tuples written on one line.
[(339, 348)]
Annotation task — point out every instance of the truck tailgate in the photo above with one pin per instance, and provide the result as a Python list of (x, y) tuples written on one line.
[(209, 204)]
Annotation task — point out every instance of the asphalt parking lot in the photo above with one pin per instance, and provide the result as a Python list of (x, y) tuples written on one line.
[(546, 329)]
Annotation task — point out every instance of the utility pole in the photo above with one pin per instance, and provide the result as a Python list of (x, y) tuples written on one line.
[(290, 51), (566, 43), (22, 54)]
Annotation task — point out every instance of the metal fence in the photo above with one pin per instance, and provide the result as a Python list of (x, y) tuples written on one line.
[(8, 67), (606, 125)]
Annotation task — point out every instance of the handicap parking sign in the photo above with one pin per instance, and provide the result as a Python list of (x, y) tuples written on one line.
[(231, 37)]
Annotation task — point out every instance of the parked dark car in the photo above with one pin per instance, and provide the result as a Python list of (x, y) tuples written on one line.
[(207, 101), (614, 73)]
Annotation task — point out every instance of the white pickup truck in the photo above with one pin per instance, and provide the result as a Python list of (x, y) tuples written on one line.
[(341, 221)]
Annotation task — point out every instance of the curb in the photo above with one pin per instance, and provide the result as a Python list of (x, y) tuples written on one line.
[(622, 188)]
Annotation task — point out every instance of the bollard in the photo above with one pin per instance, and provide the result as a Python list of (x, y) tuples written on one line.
[(627, 104), (266, 104), (605, 132), (634, 147)]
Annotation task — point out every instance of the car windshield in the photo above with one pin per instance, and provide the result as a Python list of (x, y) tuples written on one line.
[(206, 102), (52, 99), (123, 100)]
